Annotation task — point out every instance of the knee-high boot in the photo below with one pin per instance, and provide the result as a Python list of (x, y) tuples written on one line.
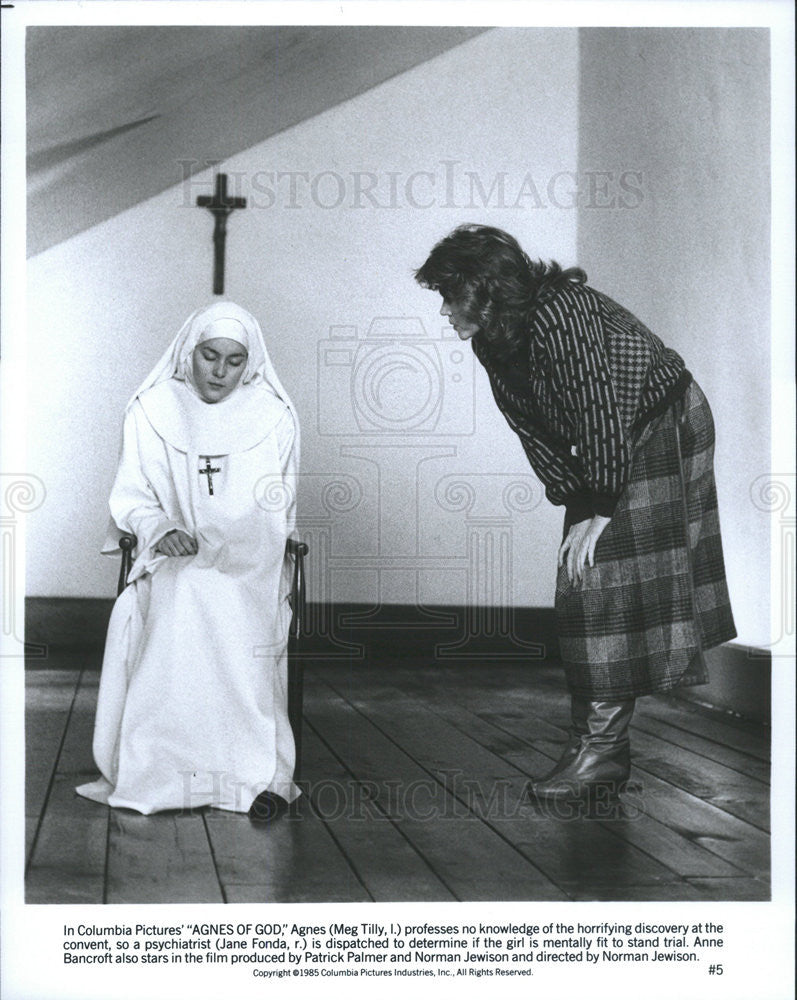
[(602, 757), (579, 712)]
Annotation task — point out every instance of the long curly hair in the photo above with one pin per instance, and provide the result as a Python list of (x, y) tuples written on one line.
[(496, 285)]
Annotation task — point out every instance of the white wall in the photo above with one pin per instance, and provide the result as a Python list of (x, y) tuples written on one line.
[(689, 111), (103, 305)]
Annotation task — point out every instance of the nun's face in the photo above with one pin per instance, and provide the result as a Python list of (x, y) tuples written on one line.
[(218, 366)]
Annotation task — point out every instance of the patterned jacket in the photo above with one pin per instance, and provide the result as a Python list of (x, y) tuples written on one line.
[(595, 376)]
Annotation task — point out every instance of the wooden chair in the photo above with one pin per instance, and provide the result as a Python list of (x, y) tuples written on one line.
[(297, 550)]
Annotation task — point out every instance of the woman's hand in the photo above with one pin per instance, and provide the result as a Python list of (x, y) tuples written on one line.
[(177, 543), (579, 546)]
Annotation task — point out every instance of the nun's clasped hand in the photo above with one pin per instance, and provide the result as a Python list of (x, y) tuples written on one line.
[(177, 543), (578, 549)]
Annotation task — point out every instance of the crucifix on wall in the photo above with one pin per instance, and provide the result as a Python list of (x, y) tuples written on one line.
[(220, 204)]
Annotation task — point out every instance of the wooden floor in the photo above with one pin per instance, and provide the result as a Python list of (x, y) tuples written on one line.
[(414, 779)]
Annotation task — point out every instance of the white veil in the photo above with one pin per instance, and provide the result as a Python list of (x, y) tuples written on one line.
[(220, 318)]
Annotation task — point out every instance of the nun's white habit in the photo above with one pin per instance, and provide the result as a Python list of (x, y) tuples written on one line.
[(192, 704)]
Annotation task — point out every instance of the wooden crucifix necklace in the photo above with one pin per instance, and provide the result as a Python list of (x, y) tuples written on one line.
[(221, 204), (208, 471)]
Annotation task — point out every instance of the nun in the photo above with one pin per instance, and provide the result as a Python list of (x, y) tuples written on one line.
[(192, 707)]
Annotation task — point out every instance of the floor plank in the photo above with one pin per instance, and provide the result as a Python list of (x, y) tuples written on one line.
[(728, 789), (164, 858), (48, 703), (456, 844), (414, 779), (743, 845), (68, 862), (76, 758), (737, 744), (702, 824), (555, 843), (729, 756), (705, 779), (644, 832), (723, 728), (387, 863), (700, 775), (737, 889), (293, 859)]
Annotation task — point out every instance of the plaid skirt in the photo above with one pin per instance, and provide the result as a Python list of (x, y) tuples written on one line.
[(656, 596)]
